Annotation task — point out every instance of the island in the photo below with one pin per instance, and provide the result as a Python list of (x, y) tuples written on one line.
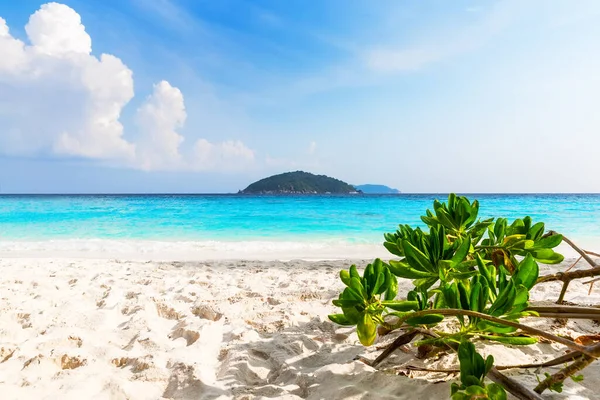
[(376, 189), (299, 182)]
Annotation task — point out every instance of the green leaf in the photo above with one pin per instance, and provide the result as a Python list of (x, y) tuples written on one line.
[(403, 270), (386, 280), (356, 285), (500, 228), (352, 294), (536, 231), (517, 227), (379, 272), (504, 300), (464, 296), (461, 252), (346, 303), (547, 256), (577, 378), (392, 289), (366, 330), (489, 327), (549, 242), (496, 392), (483, 269), (522, 296), (354, 272), (466, 352), (425, 283), (416, 258), (352, 314), (369, 280), (340, 319), (462, 275), (399, 305), (425, 319), (527, 272), (513, 340), (489, 363), (476, 300), (345, 277), (394, 249)]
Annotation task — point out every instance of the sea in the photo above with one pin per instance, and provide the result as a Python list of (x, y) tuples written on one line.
[(253, 226)]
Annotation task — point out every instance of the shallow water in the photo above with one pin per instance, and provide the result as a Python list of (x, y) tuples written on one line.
[(352, 219)]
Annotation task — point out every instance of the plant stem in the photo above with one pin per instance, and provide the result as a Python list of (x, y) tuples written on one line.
[(564, 373), (400, 341), (556, 361), (514, 387)]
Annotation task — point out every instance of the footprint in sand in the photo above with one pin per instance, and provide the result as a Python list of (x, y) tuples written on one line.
[(180, 331)]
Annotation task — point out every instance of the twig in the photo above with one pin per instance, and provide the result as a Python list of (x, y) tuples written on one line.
[(566, 277), (592, 253), (556, 361), (574, 264), (583, 253), (400, 341), (573, 312), (563, 291), (514, 387), (564, 373)]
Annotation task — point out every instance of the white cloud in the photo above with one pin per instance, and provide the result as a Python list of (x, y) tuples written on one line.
[(60, 99), (312, 147), (57, 98), (158, 118), (229, 155), (56, 30), (445, 42)]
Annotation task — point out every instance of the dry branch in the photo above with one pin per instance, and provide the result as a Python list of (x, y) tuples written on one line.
[(551, 363), (564, 373), (567, 276)]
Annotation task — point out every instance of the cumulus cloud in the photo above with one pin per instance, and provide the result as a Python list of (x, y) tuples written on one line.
[(229, 155), (158, 118), (59, 99)]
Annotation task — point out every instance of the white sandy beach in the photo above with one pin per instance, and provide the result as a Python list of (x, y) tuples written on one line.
[(117, 329)]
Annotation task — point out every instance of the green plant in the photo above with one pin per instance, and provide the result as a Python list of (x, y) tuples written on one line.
[(478, 271), (473, 370)]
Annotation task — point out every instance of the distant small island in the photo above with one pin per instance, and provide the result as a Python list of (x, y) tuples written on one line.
[(299, 182), (376, 189)]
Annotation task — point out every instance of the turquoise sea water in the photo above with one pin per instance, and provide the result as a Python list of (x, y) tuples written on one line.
[(352, 218)]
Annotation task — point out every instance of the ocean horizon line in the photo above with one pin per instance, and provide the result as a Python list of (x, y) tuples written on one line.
[(295, 194)]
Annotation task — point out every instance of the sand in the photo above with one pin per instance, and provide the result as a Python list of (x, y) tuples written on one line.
[(117, 329)]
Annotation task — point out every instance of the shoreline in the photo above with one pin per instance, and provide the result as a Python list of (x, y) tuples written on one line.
[(214, 250)]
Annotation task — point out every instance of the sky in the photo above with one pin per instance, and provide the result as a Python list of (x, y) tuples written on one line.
[(204, 96)]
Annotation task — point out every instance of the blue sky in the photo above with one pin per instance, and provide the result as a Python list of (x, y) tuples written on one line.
[(208, 96)]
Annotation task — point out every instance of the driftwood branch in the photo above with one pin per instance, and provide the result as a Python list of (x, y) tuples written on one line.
[(515, 388), (564, 373), (550, 363), (572, 312), (400, 341), (567, 276)]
